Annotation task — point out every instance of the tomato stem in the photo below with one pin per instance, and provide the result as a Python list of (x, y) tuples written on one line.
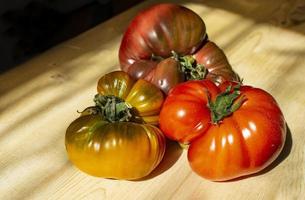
[(225, 103), (189, 66), (112, 108), (92, 110)]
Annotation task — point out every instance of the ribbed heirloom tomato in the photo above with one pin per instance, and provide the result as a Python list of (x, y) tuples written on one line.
[(115, 138), (167, 44), (231, 130)]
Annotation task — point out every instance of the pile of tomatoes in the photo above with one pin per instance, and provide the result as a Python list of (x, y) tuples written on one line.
[(175, 83)]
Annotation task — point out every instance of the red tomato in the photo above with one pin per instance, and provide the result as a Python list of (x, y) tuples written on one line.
[(170, 31), (184, 114), (232, 131)]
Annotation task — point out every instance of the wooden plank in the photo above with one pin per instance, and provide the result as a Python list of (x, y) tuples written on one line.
[(40, 98)]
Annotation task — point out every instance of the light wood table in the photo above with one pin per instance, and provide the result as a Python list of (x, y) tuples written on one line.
[(39, 99)]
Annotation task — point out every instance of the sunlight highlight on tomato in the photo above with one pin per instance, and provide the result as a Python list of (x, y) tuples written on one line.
[(116, 137), (244, 128)]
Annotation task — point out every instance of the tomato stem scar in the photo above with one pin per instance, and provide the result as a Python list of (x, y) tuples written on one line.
[(189, 66), (225, 103), (112, 108)]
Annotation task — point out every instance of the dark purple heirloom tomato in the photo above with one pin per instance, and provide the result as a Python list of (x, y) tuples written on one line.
[(167, 44)]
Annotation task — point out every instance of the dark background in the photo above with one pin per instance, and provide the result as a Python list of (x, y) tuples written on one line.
[(28, 27)]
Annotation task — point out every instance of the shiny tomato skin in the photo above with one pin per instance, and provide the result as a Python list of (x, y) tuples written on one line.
[(215, 61), (243, 143), (116, 83), (142, 69), (153, 35), (184, 115), (158, 30), (162, 31), (167, 74), (121, 150), (142, 95)]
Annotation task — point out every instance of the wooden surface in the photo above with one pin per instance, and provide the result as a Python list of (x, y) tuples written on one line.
[(39, 99)]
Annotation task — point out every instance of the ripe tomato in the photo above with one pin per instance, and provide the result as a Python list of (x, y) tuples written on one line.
[(115, 138), (232, 131), (145, 99), (216, 62), (170, 31), (184, 114)]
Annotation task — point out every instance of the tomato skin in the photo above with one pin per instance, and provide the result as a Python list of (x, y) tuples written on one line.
[(216, 62), (142, 69), (242, 143), (160, 75), (116, 83), (184, 115), (120, 150), (158, 30), (155, 33), (140, 94)]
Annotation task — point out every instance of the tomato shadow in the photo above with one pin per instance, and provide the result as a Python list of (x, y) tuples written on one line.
[(172, 154), (283, 155)]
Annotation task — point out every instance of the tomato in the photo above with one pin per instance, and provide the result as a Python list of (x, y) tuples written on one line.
[(169, 31), (231, 130), (116, 138), (184, 114), (145, 99), (216, 62)]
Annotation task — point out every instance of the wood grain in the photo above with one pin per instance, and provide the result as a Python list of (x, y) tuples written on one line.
[(39, 99)]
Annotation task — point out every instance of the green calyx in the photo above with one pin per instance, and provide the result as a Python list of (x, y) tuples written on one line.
[(92, 110), (189, 66), (112, 108), (225, 103)]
